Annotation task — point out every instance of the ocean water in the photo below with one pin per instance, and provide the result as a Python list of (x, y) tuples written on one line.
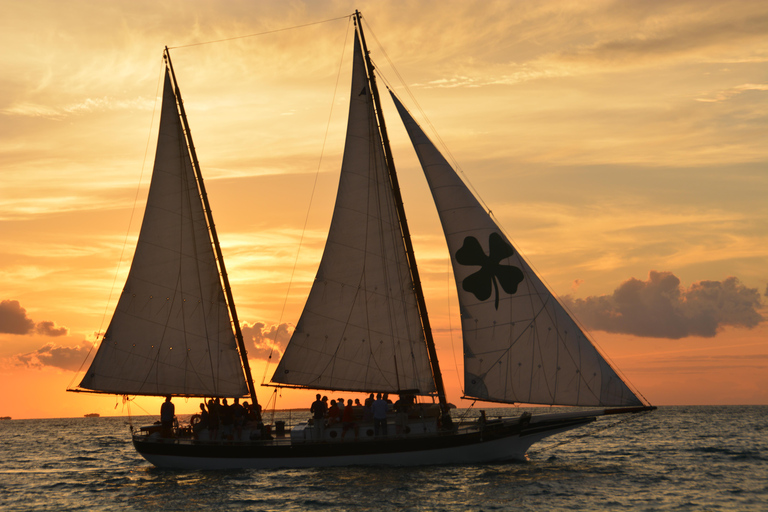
[(676, 458)]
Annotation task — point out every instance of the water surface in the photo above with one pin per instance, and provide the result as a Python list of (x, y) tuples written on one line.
[(676, 458)]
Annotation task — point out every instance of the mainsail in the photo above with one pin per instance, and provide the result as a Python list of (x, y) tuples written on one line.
[(360, 329), (520, 345), (171, 332)]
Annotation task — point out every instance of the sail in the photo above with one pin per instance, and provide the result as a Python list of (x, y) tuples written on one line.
[(360, 329), (520, 345), (171, 332)]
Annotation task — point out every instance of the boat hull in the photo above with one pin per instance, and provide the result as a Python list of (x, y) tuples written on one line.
[(496, 442)]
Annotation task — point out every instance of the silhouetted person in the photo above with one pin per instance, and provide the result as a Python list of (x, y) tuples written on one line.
[(227, 419), (202, 422), (213, 419), (238, 413), (348, 419), (334, 413), (318, 410), (401, 415), (167, 415), (368, 409), (380, 416)]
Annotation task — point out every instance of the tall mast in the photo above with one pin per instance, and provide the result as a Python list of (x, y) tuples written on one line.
[(214, 236), (436, 373)]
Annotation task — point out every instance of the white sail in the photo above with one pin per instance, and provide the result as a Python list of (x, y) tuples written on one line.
[(520, 345), (171, 332), (360, 329)]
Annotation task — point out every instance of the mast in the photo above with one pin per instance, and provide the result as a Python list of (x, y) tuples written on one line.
[(422, 305), (214, 237)]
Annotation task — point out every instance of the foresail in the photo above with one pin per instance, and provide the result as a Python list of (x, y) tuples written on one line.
[(360, 329), (171, 331), (520, 345)]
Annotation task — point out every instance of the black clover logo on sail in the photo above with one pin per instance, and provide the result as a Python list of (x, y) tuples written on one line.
[(491, 273)]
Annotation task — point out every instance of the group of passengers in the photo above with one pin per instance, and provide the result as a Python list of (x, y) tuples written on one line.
[(224, 421), (325, 414), (374, 410)]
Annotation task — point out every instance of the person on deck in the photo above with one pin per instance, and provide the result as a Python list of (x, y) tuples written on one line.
[(379, 416), (368, 410), (238, 413), (213, 419), (318, 410), (167, 415), (334, 413), (227, 419), (348, 420), (402, 408), (200, 423), (250, 414)]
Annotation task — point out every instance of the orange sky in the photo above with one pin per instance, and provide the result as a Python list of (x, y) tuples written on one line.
[(620, 144)]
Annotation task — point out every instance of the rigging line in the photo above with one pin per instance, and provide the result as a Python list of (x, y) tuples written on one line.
[(622, 376), (587, 334), (587, 434), (266, 407), (349, 16), (448, 275), (128, 229), (312, 195), (434, 131), (466, 412), (133, 400)]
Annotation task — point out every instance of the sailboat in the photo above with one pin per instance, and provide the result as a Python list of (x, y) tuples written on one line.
[(364, 327)]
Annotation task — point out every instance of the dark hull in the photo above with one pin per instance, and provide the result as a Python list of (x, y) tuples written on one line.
[(494, 441)]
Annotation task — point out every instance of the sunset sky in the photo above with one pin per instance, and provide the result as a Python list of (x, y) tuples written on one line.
[(622, 145)]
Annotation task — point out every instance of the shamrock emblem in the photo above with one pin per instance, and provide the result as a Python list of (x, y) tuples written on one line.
[(491, 273)]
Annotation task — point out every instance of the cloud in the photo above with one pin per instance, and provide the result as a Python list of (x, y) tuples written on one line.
[(661, 308), (83, 106), (66, 358), (726, 94), (264, 342), (653, 39), (14, 320), (46, 328), (524, 74)]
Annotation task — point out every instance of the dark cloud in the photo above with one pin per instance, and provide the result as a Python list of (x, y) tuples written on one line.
[(46, 328), (66, 358), (263, 342), (661, 308), (14, 320), (676, 39)]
